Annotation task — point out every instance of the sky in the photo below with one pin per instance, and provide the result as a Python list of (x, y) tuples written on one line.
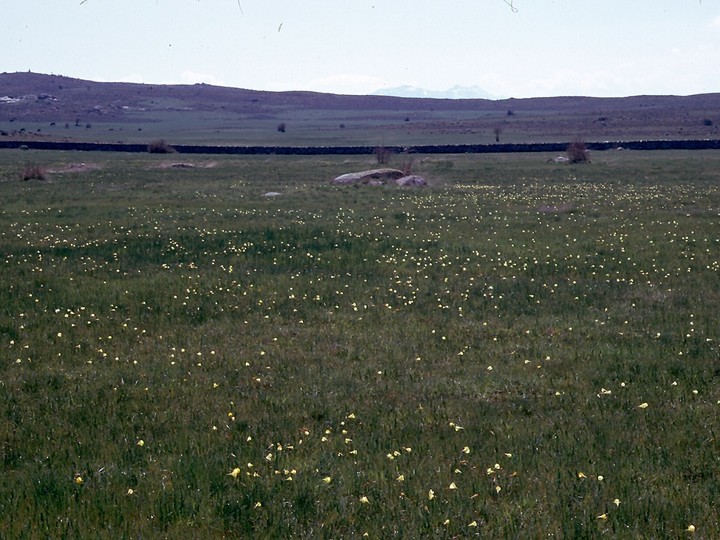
[(518, 48)]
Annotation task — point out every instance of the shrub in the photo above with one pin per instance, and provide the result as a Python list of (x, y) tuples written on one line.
[(577, 152), (281, 127), (408, 162), (32, 171), (382, 155), (497, 130), (160, 147)]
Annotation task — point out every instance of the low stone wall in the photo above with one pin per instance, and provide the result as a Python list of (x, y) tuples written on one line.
[(705, 144)]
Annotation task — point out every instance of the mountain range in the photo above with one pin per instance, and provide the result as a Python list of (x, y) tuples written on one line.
[(456, 92)]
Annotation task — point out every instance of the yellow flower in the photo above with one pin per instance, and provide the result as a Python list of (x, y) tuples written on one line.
[(691, 528), (400, 478), (643, 406), (431, 495), (581, 475), (364, 500), (235, 472), (452, 486), (141, 443), (498, 489), (327, 479), (130, 491), (616, 502), (79, 480), (473, 524), (602, 516), (446, 522), (257, 505), (466, 450)]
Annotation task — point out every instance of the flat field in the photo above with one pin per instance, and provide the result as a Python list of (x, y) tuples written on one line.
[(520, 350)]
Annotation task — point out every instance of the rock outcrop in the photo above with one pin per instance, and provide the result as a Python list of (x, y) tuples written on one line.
[(379, 177), (372, 177)]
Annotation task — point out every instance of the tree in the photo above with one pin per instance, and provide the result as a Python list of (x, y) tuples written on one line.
[(497, 130), (577, 152)]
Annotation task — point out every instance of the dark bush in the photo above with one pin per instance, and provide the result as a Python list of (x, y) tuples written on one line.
[(382, 155), (577, 152), (32, 171), (160, 147)]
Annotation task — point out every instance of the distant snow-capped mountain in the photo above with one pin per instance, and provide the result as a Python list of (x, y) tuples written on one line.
[(456, 92)]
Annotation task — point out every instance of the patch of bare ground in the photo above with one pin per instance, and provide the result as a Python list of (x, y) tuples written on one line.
[(76, 168), (187, 165)]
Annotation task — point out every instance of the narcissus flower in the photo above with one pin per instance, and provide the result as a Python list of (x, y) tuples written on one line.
[(235, 472)]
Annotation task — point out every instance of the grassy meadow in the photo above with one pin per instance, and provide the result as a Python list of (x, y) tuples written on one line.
[(520, 350)]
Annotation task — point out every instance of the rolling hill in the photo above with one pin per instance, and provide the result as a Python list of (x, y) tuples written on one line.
[(54, 107)]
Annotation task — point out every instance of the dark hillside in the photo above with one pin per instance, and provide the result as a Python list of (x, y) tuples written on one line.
[(51, 107)]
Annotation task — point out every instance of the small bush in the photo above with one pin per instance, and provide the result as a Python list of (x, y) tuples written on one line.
[(281, 127), (160, 147), (33, 171), (707, 122), (577, 152), (382, 155), (408, 163)]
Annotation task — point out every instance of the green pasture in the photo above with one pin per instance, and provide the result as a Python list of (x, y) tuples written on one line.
[(522, 349)]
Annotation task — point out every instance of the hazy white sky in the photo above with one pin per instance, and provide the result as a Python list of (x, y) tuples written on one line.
[(539, 48)]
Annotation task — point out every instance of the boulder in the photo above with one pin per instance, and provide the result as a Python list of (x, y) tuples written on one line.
[(411, 180), (372, 177)]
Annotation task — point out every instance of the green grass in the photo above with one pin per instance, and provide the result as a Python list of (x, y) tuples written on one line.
[(468, 359)]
